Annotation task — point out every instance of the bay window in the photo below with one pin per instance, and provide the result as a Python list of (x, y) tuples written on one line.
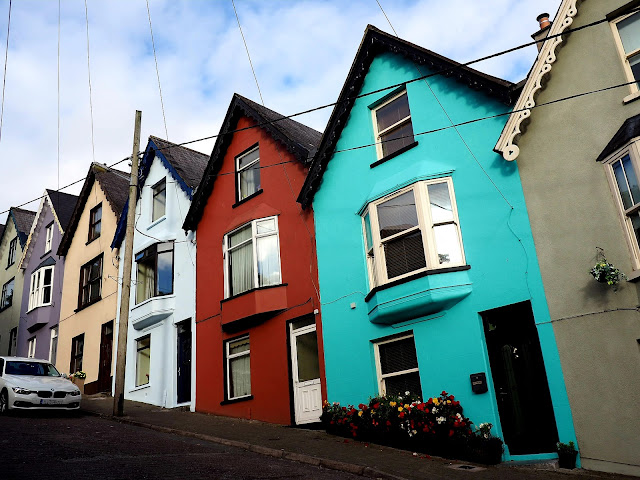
[(155, 271), (252, 256), (40, 288), (413, 230)]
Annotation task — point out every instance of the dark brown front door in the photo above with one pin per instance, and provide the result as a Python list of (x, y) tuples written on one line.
[(106, 348)]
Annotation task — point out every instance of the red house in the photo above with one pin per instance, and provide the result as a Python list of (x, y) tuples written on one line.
[(258, 338)]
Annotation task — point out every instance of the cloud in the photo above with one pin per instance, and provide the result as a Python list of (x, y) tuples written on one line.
[(301, 51)]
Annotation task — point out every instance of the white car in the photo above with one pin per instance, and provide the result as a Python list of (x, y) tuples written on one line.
[(32, 384)]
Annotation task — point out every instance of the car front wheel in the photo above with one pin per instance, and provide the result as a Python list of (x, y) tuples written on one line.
[(4, 402)]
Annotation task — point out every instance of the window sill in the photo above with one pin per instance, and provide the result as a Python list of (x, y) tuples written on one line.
[(156, 222), (9, 266), (86, 305), (45, 254), (92, 240), (236, 400), (394, 154), (630, 98), (246, 199), (433, 271), (6, 307), (252, 290), (634, 276), (140, 387), (151, 299)]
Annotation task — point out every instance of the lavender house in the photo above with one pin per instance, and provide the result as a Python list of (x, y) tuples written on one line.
[(43, 273)]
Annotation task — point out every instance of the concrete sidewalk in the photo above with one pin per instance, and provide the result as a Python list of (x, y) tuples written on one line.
[(317, 447)]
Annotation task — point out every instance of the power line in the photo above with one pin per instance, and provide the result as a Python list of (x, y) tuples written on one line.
[(247, 49), (93, 146), (153, 44), (4, 81)]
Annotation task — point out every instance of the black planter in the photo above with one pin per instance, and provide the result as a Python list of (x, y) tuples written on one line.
[(567, 459)]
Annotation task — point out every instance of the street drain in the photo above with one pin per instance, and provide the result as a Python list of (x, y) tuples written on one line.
[(468, 468)]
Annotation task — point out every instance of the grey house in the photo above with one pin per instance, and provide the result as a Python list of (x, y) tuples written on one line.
[(43, 274), (579, 162), (12, 241)]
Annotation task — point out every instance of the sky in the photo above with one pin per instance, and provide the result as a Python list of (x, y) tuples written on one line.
[(301, 50)]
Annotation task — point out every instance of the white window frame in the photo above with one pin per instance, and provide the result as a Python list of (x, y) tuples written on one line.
[(54, 336), (48, 242), (633, 150), (378, 133), (231, 356), (138, 350), (377, 265), (624, 57), (37, 286), (32, 348), (254, 237), (382, 387), (154, 188), (246, 167)]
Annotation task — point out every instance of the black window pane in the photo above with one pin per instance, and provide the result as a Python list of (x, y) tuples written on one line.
[(404, 255), (393, 112), (396, 139), (401, 384), (397, 215), (398, 356)]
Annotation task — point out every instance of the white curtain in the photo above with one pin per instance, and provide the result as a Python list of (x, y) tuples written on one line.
[(241, 261), (240, 377)]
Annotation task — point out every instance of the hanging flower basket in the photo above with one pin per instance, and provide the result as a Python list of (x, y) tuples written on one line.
[(605, 272)]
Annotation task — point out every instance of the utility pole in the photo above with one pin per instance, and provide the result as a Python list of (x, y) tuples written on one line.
[(121, 354)]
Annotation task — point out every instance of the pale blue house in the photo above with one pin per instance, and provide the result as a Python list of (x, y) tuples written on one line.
[(428, 275)]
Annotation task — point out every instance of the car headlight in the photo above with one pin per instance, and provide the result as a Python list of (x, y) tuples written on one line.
[(75, 393), (21, 391)]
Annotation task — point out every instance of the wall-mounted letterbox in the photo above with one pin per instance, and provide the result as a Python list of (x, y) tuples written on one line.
[(478, 382)]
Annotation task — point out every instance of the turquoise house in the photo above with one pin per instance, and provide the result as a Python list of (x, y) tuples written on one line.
[(429, 279)]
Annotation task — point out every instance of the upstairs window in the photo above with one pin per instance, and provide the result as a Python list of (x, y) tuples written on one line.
[(95, 222), (7, 294), (252, 256), (392, 125), (13, 247), (159, 207), (155, 271), (627, 34), (248, 173), (90, 282), (622, 169), (48, 238), (41, 287), (413, 230)]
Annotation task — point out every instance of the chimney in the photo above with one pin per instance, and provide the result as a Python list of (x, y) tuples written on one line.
[(545, 26)]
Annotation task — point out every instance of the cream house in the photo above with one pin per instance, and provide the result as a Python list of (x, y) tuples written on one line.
[(89, 292)]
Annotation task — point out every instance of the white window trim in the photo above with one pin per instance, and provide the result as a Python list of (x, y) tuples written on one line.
[(32, 348), (48, 238), (36, 292), (378, 134), (633, 149), (246, 167), (166, 199), (254, 236), (135, 379), (377, 266), (231, 356), (624, 57), (381, 377), (54, 336)]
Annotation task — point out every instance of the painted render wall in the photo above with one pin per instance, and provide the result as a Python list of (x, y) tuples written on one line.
[(496, 238), (49, 314), (169, 309), (269, 358), (89, 320), (572, 211), (10, 317)]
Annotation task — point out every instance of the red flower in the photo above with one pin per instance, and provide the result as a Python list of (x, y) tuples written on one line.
[(444, 394), (388, 423), (451, 433), (362, 406), (451, 397), (401, 415), (376, 406)]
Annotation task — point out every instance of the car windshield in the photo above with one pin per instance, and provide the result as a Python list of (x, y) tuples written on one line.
[(37, 369)]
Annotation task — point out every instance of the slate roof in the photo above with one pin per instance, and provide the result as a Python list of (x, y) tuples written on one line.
[(186, 166), (63, 204), (298, 139), (375, 42), (629, 129), (23, 221), (114, 184)]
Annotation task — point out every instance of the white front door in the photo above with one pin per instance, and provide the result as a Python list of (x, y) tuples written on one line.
[(305, 368)]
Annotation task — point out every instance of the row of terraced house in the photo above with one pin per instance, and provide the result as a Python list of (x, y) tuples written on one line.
[(402, 249)]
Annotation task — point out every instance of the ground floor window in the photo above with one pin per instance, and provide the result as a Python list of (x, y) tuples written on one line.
[(13, 342), (77, 351), (32, 348), (143, 360), (397, 366), (238, 368), (53, 346)]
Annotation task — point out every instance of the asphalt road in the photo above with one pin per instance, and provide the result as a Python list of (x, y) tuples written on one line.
[(59, 446)]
